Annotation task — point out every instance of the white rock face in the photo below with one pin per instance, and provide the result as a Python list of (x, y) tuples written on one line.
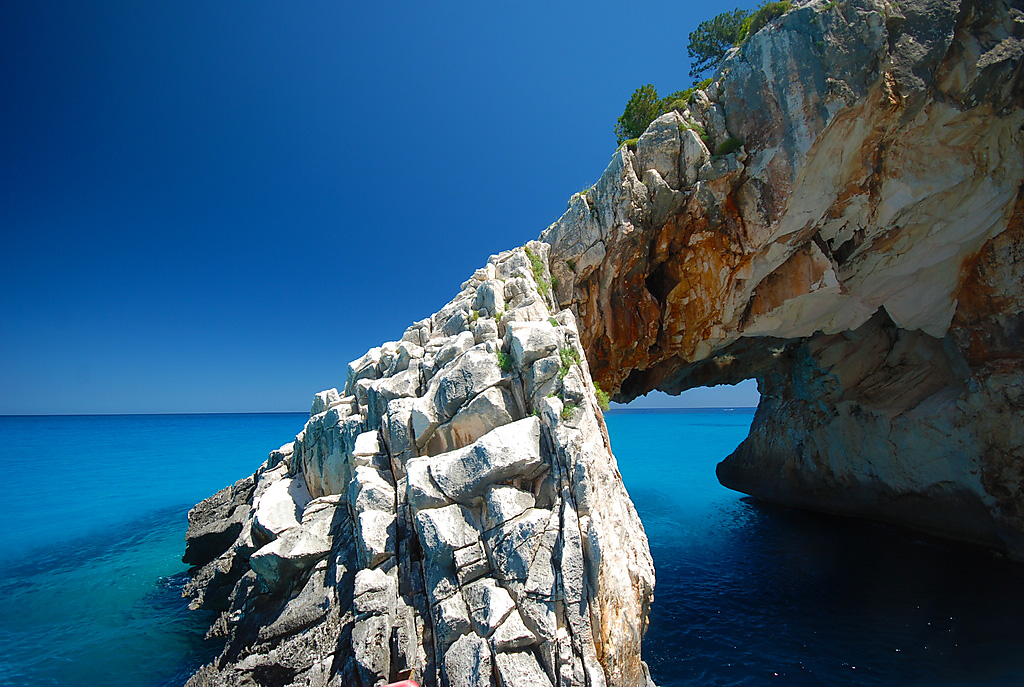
[(446, 550), (501, 454), (299, 547), (280, 506), (530, 341)]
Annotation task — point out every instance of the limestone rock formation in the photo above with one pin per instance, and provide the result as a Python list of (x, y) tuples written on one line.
[(859, 255), (455, 510), (454, 513)]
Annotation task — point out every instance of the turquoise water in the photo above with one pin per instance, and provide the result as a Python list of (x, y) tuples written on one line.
[(95, 515), (748, 594)]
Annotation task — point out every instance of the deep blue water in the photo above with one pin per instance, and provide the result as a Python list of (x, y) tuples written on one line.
[(748, 594), (754, 594)]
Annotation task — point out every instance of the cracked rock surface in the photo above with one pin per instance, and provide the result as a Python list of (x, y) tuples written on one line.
[(466, 524)]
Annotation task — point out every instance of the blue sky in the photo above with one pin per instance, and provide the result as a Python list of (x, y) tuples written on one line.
[(213, 207)]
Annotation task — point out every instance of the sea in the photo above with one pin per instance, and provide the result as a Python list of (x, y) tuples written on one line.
[(748, 593)]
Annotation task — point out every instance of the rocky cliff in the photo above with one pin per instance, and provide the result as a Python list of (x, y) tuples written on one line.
[(860, 255), (455, 512)]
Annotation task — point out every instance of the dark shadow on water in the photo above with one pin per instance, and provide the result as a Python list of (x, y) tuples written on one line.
[(166, 602), (758, 592)]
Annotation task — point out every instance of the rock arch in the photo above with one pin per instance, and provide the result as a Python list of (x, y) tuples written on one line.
[(860, 256)]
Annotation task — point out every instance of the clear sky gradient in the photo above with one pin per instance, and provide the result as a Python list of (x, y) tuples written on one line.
[(213, 207)]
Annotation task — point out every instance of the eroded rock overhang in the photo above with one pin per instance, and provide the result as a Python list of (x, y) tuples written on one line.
[(859, 255)]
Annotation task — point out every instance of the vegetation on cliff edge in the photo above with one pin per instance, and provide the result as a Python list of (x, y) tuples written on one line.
[(708, 45)]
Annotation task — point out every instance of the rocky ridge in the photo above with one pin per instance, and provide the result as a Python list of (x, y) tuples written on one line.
[(454, 514)]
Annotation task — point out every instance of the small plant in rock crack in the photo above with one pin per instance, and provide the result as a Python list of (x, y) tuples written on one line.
[(568, 410), (602, 397), (537, 265), (504, 361), (569, 357)]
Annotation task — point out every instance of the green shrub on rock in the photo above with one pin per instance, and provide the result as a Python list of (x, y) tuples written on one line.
[(641, 109), (713, 38), (764, 14), (569, 356), (537, 265)]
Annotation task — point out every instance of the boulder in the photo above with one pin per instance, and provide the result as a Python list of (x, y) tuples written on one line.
[(297, 548), (370, 491), (451, 620), (512, 634), (470, 374), (489, 605), (530, 341), (371, 648), (455, 347), (375, 537), (214, 524), (512, 546), (490, 297), (421, 490), (503, 503), (471, 563), (542, 377), (398, 435), (505, 452), (520, 669), (467, 663), (492, 408), (280, 506), (485, 329), (442, 530), (363, 368), (658, 148), (694, 156), (374, 592), (324, 400)]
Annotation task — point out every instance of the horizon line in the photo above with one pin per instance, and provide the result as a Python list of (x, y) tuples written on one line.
[(625, 408)]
